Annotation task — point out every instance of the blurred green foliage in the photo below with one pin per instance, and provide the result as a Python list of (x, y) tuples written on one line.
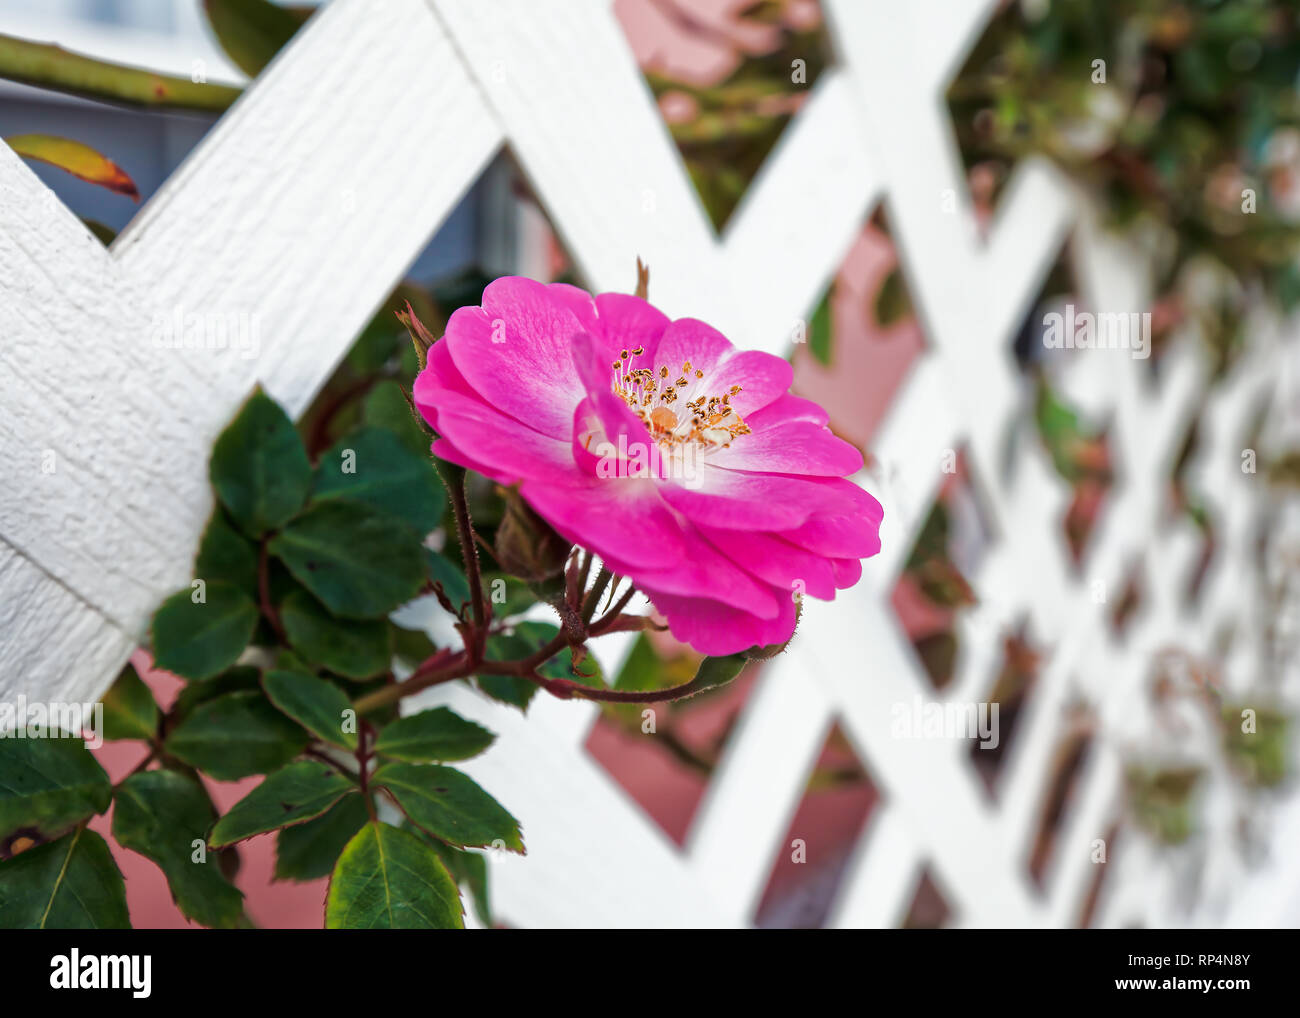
[(1181, 116)]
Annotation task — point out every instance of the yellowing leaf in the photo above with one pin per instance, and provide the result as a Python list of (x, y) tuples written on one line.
[(74, 157)]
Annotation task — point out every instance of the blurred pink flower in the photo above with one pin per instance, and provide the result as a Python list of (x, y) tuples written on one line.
[(684, 463)]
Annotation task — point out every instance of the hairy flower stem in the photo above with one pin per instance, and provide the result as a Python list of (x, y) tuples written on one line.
[(477, 641), (567, 689), (459, 667), (444, 667)]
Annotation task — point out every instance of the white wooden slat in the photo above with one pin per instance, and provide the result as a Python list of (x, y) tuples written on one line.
[(867, 674), (1028, 229), (50, 640), (909, 448), (736, 834), (942, 35), (881, 876), (337, 217), (790, 233), (339, 170), (76, 348)]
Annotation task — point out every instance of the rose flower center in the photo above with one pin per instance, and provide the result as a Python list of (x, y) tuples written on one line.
[(675, 406)]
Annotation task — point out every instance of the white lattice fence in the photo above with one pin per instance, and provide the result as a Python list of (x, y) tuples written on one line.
[(399, 104)]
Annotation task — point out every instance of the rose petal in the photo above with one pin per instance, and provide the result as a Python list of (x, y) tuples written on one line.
[(714, 628), (624, 520), (841, 534), (513, 449), (515, 352), (762, 378), (786, 408), (689, 339), (775, 561), (703, 571), (798, 447)]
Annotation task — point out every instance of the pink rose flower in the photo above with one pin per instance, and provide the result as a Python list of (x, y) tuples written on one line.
[(684, 463)]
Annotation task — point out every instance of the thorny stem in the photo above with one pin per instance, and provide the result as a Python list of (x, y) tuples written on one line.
[(477, 642)]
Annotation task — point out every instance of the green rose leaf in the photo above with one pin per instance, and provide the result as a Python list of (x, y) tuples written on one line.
[(718, 671), (251, 31), (389, 879), (353, 649), (386, 407), (508, 688), (259, 467), (165, 816), (48, 785), (235, 735), (438, 734), (374, 466), (449, 805), (232, 680), (308, 851), (469, 870), (69, 884), (197, 641), (411, 645), (317, 705), (226, 554), (509, 594), (360, 562), (288, 661), (301, 791), (129, 708)]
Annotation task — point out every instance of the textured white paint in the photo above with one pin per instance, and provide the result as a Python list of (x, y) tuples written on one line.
[(299, 208)]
